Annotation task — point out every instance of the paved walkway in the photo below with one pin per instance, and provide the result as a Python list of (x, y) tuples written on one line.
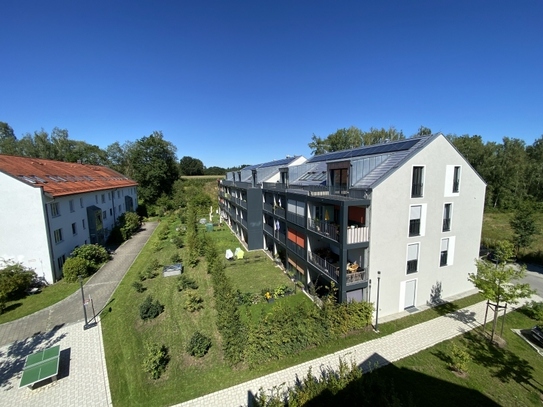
[(82, 373), (377, 352)]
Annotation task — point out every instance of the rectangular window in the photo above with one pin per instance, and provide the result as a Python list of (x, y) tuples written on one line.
[(96, 198), (414, 220), (81, 202), (72, 205), (74, 229), (110, 212), (412, 258), (60, 261), (104, 215), (417, 182), (58, 235), (447, 217), (103, 198), (83, 223), (55, 209), (120, 209), (444, 252), (456, 180)]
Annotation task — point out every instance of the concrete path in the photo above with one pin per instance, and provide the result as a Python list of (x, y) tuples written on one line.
[(367, 355), (83, 376)]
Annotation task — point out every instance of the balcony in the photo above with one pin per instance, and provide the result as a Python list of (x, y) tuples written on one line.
[(279, 211), (300, 251), (280, 236), (358, 234), (268, 228), (243, 222), (295, 218), (325, 266), (356, 277), (268, 207), (243, 203), (324, 228)]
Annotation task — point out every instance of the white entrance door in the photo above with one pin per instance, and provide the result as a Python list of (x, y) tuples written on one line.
[(410, 289)]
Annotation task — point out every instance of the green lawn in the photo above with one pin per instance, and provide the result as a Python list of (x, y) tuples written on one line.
[(188, 377), (512, 376), (49, 295)]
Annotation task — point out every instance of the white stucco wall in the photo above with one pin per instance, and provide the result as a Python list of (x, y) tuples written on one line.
[(389, 228), (23, 233)]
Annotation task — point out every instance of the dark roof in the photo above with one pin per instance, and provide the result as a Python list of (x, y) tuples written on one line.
[(281, 162), (60, 178), (383, 148)]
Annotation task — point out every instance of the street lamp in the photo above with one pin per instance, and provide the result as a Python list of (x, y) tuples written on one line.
[(83, 299), (377, 306)]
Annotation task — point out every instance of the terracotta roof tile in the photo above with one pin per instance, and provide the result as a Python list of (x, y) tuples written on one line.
[(60, 178)]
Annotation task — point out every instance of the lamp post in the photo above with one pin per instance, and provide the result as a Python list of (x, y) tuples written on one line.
[(377, 306), (83, 298)]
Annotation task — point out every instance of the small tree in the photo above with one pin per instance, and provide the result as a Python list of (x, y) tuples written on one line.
[(15, 279), (75, 267), (524, 227), (496, 282)]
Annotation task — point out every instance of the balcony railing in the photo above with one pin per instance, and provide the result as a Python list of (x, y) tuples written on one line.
[(321, 190), (268, 207), (280, 236), (446, 225), (268, 228), (358, 234), (356, 277), (324, 228), (244, 222), (243, 203), (330, 270), (279, 211), (295, 218), (300, 251)]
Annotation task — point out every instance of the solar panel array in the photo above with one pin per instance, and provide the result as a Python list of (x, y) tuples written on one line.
[(283, 161), (368, 150)]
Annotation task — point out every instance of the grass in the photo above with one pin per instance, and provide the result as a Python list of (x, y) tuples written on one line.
[(511, 376), (496, 227), (188, 377), (48, 296)]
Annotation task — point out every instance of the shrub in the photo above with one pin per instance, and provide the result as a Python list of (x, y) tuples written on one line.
[(459, 359), (178, 241), (184, 282), (138, 286), (75, 267), (15, 279), (176, 258), (193, 302), (156, 246), (534, 310), (156, 360), (199, 345), (150, 309), (93, 253)]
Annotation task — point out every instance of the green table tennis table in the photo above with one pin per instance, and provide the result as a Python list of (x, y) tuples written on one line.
[(40, 366)]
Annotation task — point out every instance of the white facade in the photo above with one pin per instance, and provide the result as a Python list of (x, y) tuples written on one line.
[(41, 231), (391, 247)]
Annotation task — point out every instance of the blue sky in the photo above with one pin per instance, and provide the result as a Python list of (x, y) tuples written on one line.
[(242, 82)]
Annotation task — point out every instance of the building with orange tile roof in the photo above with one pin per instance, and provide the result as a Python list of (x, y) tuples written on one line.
[(48, 208)]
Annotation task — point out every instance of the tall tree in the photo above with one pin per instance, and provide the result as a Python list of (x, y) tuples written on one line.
[(154, 166), (8, 141), (422, 132), (524, 227), (191, 166)]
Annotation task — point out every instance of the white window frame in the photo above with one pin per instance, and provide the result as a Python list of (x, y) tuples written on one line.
[(407, 256), (58, 235), (55, 209)]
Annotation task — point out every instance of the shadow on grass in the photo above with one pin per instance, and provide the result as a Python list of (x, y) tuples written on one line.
[(11, 307), (391, 386), (501, 363)]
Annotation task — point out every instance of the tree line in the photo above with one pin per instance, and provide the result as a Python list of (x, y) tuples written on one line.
[(150, 160)]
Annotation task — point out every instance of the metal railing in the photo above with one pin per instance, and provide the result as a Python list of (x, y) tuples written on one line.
[(330, 270), (356, 277), (324, 228), (300, 251)]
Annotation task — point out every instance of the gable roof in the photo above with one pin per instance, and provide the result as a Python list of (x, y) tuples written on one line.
[(59, 178)]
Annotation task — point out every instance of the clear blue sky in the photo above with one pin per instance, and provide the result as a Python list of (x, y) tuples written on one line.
[(241, 82)]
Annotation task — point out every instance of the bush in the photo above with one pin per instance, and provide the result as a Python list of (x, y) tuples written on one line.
[(193, 302), (534, 310), (15, 279), (75, 267), (176, 258), (184, 282), (94, 254), (459, 359), (138, 286), (150, 309), (156, 360), (199, 345)]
